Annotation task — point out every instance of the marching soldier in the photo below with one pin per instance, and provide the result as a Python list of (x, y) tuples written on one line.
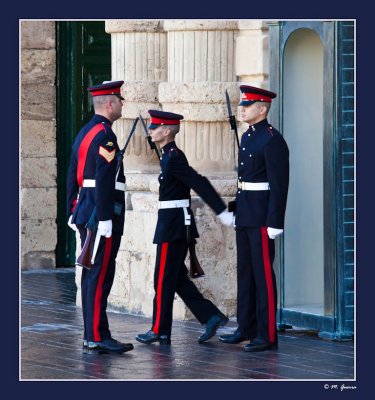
[(263, 177), (175, 223), (92, 182)]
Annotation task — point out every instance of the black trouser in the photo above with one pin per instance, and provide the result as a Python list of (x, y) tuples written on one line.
[(170, 277), (96, 285), (256, 284)]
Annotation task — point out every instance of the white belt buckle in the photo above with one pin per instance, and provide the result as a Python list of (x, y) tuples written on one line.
[(241, 185)]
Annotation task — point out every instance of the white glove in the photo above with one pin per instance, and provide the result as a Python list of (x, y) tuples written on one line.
[(226, 218), (273, 232), (105, 228), (72, 226)]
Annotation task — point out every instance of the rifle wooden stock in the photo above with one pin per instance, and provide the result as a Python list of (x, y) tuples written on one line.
[(196, 270), (84, 259)]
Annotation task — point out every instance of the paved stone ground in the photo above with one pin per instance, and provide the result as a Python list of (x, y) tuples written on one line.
[(51, 331)]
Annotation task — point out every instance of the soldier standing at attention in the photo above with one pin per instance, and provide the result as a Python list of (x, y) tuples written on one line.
[(263, 178), (174, 215), (92, 182)]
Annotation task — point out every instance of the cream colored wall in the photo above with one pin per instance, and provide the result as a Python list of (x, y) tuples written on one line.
[(38, 192)]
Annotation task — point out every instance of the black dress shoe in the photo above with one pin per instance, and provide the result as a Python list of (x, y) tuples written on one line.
[(151, 337), (252, 347), (109, 346), (234, 338), (211, 327)]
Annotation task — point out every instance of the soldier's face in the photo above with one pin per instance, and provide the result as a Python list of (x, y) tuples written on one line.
[(157, 134), (253, 113), (116, 106), (249, 113)]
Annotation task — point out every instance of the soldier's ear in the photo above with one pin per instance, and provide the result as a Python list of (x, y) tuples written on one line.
[(262, 109)]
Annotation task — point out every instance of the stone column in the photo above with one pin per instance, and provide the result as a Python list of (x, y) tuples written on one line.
[(252, 55), (139, 57), (38, 144), (181, 66), (201, 66)]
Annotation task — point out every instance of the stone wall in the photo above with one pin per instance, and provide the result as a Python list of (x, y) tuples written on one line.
[(38, 193)]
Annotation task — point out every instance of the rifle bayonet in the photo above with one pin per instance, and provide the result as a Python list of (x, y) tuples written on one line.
[(232, 118)]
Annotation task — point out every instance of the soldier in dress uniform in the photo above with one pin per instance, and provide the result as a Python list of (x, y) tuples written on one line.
[(263, 177), (92, 182), (175, 218)]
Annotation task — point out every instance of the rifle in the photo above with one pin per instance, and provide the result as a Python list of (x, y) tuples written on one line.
[(233, 126), (196, 270), (232, 118), (84, 259), (148, 137), (87, 257)]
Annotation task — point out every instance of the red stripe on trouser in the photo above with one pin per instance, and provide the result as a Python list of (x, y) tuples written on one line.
[(159, 291), (99, 288), (269, 283)]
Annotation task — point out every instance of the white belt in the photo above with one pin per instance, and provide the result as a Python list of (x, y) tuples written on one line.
[(174, 203), (91, 183), (253, 185), (184, 204)]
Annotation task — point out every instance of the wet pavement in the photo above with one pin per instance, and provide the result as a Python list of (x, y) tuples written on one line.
[(51, 340)]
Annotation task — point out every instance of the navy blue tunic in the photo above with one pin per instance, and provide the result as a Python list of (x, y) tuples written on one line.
[(263, 156), (176, 179), (101, 167)]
